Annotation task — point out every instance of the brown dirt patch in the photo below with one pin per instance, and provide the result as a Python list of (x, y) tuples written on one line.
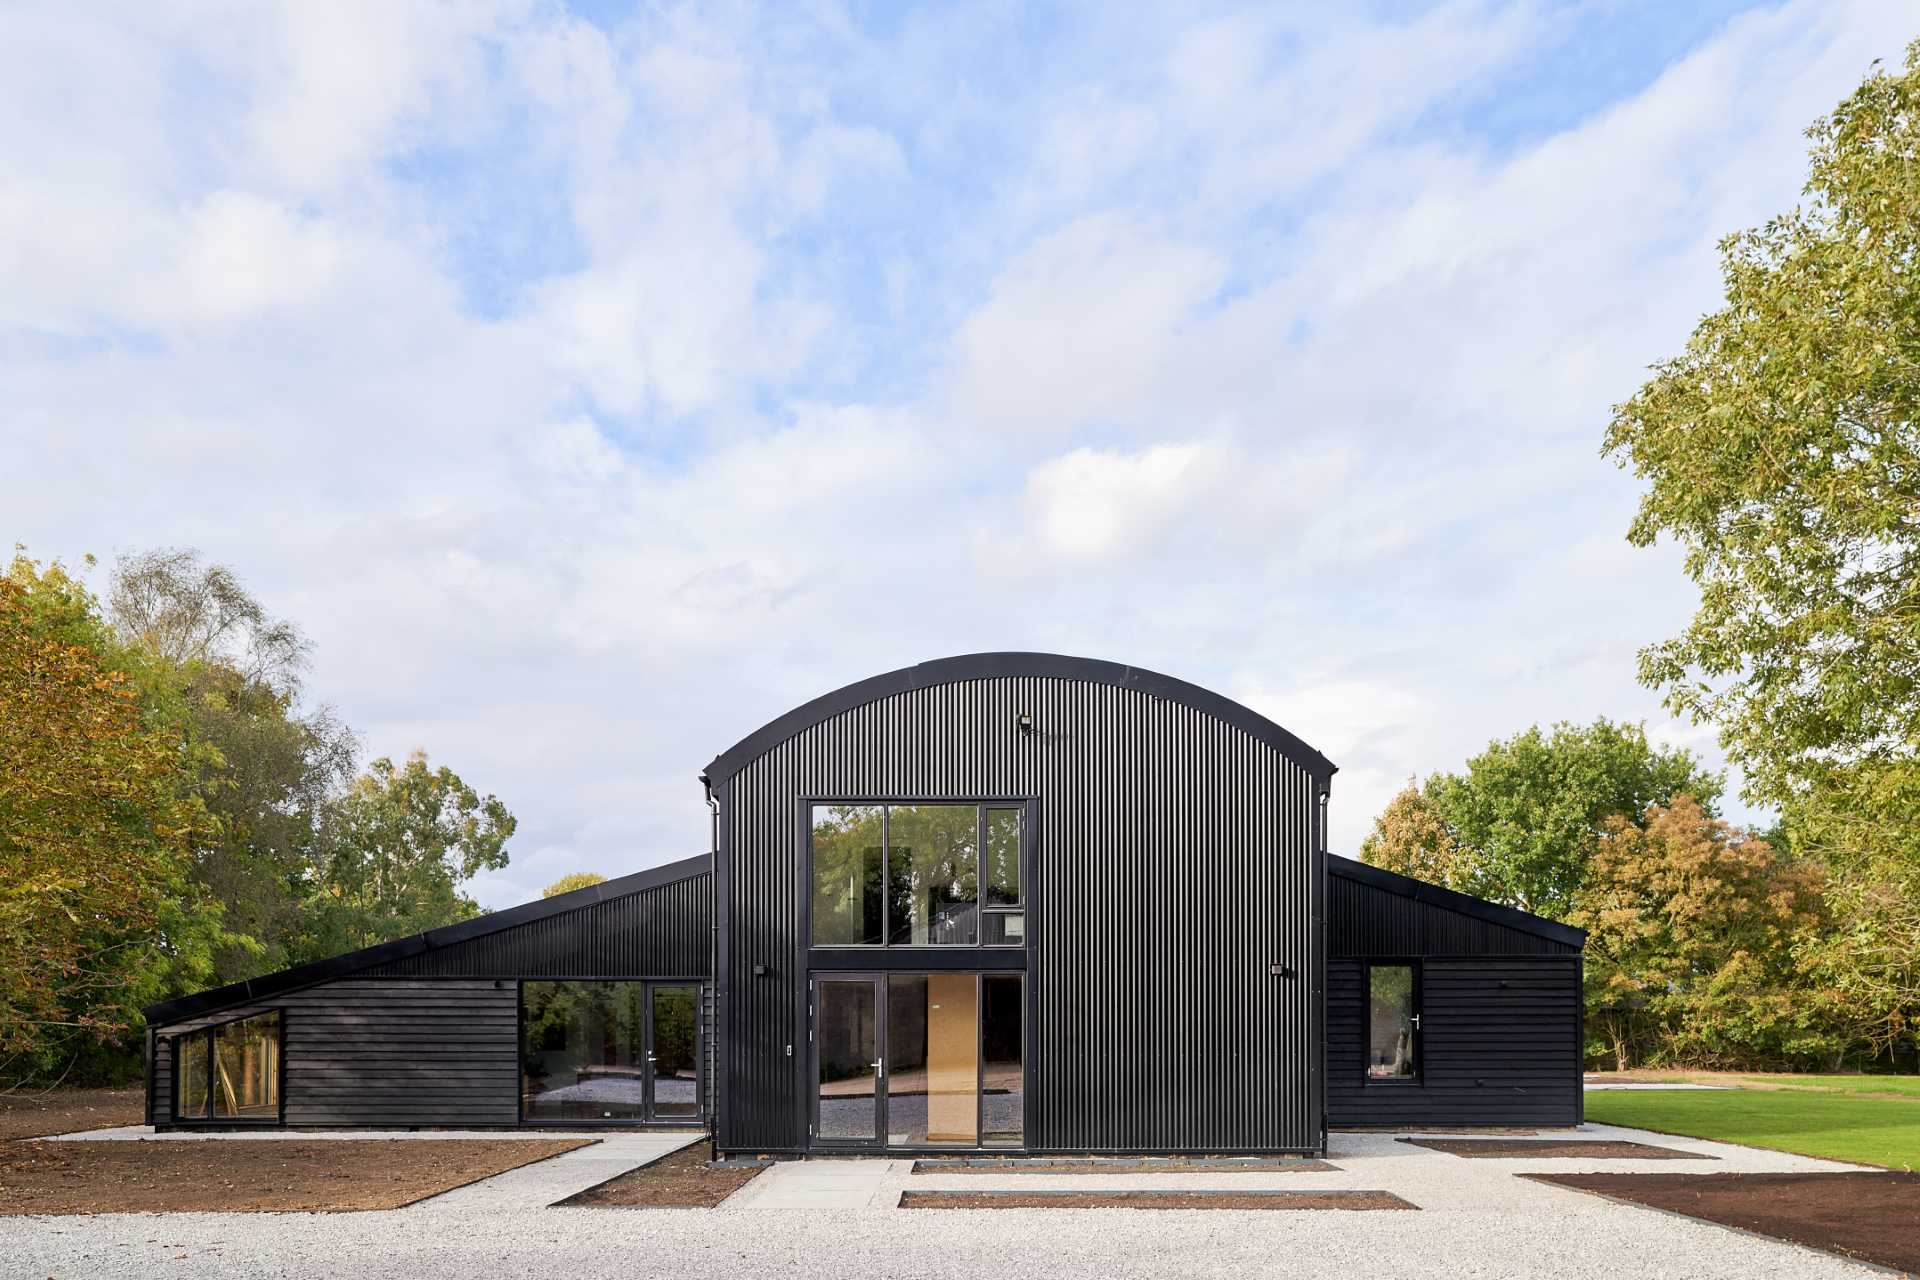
[(680, 1179), (1551, 1149), (1868, 1216), (1121, 1166), (1270, 1200), (252, 1175), (35, 1115)]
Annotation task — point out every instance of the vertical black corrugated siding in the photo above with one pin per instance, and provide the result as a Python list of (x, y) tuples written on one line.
[(1175, 860), (659, 932)]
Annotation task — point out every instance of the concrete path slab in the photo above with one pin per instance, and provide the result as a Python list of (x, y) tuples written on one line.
[(545, 1182), (1636, 1086), (824, 1184), (145, 1133)]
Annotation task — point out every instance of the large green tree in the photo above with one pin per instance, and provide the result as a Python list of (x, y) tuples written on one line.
[(1781, 450), (396, 850), (265, 769), (1521, 823)]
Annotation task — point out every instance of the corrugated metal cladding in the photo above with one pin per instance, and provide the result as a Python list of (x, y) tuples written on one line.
[(1364, 920), (1500, 1006), (1175, 863), (1500, 1045), (390, 1051), (665, 931)]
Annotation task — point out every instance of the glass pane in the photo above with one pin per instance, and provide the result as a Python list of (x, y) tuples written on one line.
[(1390, 1022), (933, 1060), (1004, 928), (1001, 1079), (846, 875), (581, 1050), (246, 1069), (190, 1062), (1003, 857), (676, 1061), (847, 1042), (933, 869)]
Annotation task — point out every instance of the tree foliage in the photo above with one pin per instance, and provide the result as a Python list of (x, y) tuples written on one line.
[(1692, 933), (97, 827), (1782, 452), (1520, 824), (568, 883), (395, 849)]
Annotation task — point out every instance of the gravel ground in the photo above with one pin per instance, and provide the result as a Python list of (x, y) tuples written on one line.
[(1476, 1220)]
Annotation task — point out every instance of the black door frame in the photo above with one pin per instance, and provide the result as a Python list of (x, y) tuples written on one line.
[(877, 981)]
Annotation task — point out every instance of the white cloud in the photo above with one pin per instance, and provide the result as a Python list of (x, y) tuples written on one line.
[(594, 395)]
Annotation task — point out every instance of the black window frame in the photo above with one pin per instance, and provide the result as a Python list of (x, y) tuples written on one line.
[(701, 1117), (206, 1034), (1417, 997), (1021, 805)]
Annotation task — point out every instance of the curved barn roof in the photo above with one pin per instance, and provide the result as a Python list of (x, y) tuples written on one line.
[(981, 666)]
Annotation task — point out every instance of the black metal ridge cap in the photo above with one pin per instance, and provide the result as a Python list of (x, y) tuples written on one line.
[(980, 666), (305, 975), (1464, 903)]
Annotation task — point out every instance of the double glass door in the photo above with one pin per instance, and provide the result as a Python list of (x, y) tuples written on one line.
[(622, 1051), (917, 1060)]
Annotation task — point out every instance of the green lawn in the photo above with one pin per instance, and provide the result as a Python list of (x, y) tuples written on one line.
[(1882, 1131), (1901, 1086)]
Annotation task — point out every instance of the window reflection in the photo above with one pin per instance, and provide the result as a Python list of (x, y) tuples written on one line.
[(1392, 1019)]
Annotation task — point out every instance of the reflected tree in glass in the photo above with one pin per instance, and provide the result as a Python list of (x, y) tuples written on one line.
[(848, 903), (933, 870)]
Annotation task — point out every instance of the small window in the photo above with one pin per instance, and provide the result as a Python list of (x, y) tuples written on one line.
[(230, 1071), (1393, 1023)]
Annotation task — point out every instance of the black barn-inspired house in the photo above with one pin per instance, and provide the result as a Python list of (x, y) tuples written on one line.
[(1014, 902)]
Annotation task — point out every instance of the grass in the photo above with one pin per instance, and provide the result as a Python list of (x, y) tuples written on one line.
[(1883, 1086), (1811, 1121)]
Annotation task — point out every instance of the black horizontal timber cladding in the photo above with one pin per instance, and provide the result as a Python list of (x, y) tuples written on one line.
[(1175, 861)]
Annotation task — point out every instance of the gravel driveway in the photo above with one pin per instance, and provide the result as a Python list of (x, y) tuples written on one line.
[(1477, 1220)]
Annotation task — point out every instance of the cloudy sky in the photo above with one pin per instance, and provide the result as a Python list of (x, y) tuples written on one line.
[(596, 384)]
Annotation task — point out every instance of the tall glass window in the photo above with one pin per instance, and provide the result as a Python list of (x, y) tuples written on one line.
[(917, 875), (229, 1071), (583, 1050), (1393, 1022), (1002, 1081), (848, 906)]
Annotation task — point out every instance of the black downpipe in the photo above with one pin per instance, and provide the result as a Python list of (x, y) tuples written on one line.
[(713, 972)]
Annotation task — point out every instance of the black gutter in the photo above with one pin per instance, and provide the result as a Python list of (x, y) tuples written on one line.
[(305, 975)]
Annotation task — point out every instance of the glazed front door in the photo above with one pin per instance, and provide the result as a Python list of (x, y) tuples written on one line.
[(849, 1068)]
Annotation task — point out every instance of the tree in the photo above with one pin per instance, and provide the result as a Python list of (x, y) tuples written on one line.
[(229, 676), (1782, 452), (396, 848), (567, 884), (1519, 825), (97, 826), (1692, 932)]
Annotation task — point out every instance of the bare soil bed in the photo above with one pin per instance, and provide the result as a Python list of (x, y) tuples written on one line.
[(1872, 1217), (251, 1176), (1549, 1149), (35, 1115), (1120, 1166), (679, 1179), (1261, 1200)]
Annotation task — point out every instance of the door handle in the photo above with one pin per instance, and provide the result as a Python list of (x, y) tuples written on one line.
[(879, 1068), (1416, 1022)]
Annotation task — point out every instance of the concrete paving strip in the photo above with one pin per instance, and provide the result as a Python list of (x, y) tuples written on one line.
[(545, 1182), (1636, 1087), (824, 1184), (145, 1133)]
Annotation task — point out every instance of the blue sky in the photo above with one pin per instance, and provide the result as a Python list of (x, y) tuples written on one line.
[(596, 384)]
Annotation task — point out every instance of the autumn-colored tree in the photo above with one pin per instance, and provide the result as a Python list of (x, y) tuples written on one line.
[(1781, 451), (1692, 933), (97, 828), (1519, 824), (568, 883), (396, 849), (1411, 837)]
